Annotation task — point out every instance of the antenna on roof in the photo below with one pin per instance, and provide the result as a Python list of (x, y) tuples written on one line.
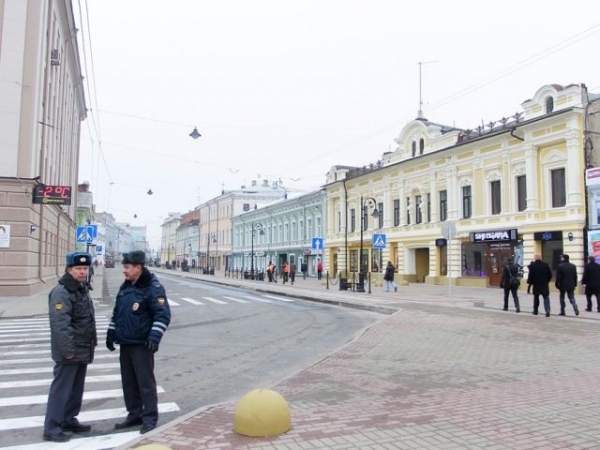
[(420, 63)]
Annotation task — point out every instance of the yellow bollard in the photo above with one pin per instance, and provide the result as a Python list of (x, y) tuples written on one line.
[(153, 447), (262, 413)]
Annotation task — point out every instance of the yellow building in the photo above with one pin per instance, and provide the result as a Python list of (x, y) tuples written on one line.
[(456, 203)]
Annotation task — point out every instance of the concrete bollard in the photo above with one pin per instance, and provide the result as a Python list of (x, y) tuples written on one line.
[(261, 413)]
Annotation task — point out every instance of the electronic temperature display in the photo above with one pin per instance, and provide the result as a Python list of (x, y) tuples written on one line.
[(52, 195)]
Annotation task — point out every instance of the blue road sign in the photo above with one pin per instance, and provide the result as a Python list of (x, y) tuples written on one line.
[(85, 234), (317, 243), (99, 249), (379, 241)]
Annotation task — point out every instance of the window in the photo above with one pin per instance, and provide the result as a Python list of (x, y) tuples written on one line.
[(421, 146), (396, 212), (246, 206), (339, 221), (380, 216), (521, 193), (466, 201), (549, 105), (496, 191), (365, 218), (407, 210), (428, 207), (353, 220), (559, 195), (414, 148), (418, 212), (309, 226), (443, 205)]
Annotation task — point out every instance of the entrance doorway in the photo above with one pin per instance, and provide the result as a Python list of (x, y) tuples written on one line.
[(499, 253), (422, 264)]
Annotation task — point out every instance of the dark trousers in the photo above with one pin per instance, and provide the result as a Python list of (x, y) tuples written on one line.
[(571, 295), (515, 297), (139, 384), (319, 274), (536, 303), (64, 399), (292, 277), (589, 292)]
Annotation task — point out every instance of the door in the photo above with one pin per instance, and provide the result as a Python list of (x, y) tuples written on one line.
[(422, 264), (498, 254)]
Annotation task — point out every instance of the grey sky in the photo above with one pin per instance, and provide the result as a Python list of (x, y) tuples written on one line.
[(286, 89)]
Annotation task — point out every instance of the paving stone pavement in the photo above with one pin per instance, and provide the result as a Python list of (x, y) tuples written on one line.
[(439, 373)]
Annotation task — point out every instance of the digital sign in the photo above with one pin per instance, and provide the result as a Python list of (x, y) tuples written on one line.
[(52, 195)]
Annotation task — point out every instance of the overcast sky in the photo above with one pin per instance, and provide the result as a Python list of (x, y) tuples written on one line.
[(286, 89)]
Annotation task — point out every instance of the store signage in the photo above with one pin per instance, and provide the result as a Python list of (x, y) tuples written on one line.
[(494, 236), (548, 236), (441, 242)]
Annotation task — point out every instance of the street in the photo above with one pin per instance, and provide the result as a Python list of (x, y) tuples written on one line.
[(222, 343)]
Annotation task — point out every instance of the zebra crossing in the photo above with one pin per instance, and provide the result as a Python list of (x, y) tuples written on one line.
[(176, 300), (25, 377)]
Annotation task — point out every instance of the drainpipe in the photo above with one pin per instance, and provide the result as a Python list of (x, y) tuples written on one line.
[(346, 226)]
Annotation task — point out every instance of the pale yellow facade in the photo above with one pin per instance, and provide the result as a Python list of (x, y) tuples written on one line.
[(509, 189)]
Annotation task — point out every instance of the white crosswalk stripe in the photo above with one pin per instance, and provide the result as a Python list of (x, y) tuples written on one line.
[(227, 299), (26, 374)]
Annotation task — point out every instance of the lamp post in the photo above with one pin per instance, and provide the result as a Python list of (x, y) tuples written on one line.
[(364, 204), (259, 227), (210, 237)]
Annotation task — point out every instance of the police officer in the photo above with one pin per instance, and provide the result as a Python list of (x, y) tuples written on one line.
[(140, 317), (566, 282), (72, 338)]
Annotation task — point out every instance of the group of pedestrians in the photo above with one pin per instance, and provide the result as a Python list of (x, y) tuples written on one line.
[(539, 278), (140, 317)]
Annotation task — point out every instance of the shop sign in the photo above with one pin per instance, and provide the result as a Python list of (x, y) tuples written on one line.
[(494, 236), (306, 251), (441, 242), (592, 177), (548, 236)]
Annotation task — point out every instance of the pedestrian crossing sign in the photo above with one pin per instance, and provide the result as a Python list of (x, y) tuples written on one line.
[(379, 241), (85, 234)]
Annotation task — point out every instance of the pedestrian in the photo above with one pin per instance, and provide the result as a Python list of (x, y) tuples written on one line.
[(388, 276), (529, 285), (566, 282), (140, 317), (304, 269), (319, 270), (72, 341), (591, 281), (539, 277), (270, 271), (285, 269), (510, 283), (292, 273)]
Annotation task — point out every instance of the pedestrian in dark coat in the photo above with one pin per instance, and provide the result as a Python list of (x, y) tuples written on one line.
[(566, 282), (539, 277), (388, 276), (73, 340), (140, 318), (591, 281), (510, 283)]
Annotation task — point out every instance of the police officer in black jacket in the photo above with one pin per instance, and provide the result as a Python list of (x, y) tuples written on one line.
[(73, 340), (510, 283), (140, 317)]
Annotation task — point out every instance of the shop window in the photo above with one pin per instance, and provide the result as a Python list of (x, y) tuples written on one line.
[(521, 193), (396, 212), (472, 259), (467, 202), (443, 205), (559, 196), (443, 252), (496, 191), (377, 260), (418, 212)]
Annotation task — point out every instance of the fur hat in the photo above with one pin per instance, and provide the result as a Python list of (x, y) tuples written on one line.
[(78, 259), (134, 257)]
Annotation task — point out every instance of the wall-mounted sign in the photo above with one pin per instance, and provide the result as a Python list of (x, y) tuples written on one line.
[(4, 236), (548, 236), (441, 242), (52, 195), (495, 236)]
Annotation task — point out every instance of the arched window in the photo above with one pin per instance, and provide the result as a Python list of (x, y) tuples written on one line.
[(421, 146), (414, 148), (549, 105)]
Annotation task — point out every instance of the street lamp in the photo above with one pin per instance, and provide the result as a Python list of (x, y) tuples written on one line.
[(364, 204), (259, 227)]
